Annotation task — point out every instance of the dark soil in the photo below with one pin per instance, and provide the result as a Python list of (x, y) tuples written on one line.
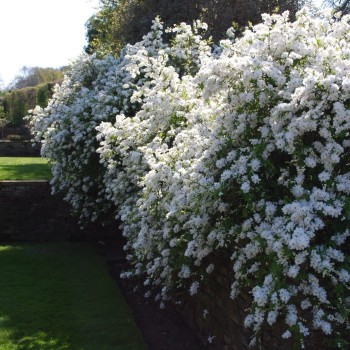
[(162, 329)]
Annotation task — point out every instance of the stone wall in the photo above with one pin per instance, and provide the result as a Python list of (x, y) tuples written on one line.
[(218, 319), (23, 131), (215, 316), (28, 213), (19, 149)]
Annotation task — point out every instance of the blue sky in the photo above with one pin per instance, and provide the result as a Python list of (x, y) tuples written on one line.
[(44, 33)]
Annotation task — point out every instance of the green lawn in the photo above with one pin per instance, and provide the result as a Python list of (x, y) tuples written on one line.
[(24, 168), (59, 296)]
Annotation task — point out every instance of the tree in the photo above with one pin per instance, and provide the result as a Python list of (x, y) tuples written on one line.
[(126, 21), (32, 86), (17, 102), (3, 120), (342, 6), (33, 76), (98, 34)]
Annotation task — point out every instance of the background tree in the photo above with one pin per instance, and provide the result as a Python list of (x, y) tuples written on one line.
[(126, 21), (342, 6), (99, 31), (33, 76), (16, 104), (3, 120), (31, 87)]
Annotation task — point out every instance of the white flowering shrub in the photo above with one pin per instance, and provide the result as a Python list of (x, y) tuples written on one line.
[(165, 96), (99, 91), (93, 91), (66, 128), (241, 150), (281, 169), (261, 169)]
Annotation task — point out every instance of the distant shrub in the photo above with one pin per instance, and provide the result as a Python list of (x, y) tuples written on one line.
[(17, 102), (44, 93)]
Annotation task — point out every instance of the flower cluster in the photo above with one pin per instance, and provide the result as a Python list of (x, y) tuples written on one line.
[(244, 149), (98, 91)]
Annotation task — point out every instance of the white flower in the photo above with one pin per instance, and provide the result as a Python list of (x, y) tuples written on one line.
[(260, 295), (271, 317), (284, 295), (344, 276), (324, 176), (310, 162), (210, 268), (293, 271), (299, 240), (245, 187), (185, 272), (287, 334), (194, 288), (211, 338), (255, 164)]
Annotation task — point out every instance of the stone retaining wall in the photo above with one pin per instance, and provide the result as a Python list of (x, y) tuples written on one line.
[(19, 149), (215, 316), (28, 213), (22, 131)]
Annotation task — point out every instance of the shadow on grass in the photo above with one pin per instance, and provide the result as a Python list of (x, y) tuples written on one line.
[(60, 296)]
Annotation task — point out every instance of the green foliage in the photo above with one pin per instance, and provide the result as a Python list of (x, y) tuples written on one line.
[(98, 37), (32, 86), (126, 21), (16, 103), (24, 168), (33, 76), (44, 93), (59, 296)]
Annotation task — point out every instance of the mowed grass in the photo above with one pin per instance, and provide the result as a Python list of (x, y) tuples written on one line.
[(24, 168), (59, 296)]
